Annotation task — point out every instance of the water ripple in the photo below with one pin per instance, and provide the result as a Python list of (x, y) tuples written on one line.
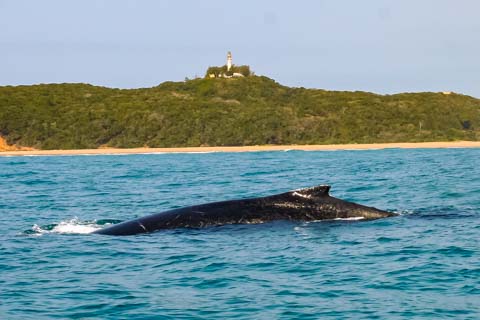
[(423, 264)]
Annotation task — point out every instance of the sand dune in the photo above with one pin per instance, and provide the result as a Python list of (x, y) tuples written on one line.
[(4, 146)]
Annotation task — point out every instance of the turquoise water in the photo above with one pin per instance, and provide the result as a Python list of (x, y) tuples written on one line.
[(423, 264)]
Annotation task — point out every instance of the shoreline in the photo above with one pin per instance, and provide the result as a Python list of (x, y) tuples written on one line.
[(327, 147)]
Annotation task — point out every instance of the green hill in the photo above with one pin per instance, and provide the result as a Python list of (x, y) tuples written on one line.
[(227, 112)]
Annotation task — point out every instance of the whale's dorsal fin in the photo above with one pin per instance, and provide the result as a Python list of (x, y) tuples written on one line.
[(318, 191)]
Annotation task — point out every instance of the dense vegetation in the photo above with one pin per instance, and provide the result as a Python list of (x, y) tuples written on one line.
[(227, 112), (223, 70)]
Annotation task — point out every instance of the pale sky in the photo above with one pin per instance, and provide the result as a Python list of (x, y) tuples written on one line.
[(383, 46)]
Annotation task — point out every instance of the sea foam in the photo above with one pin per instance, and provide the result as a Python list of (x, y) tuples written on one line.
[(72, 226)]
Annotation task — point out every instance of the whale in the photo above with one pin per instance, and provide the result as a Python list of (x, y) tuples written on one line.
[(306, 204)]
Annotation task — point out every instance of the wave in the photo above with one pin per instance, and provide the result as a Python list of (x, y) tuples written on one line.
[(72, 226)]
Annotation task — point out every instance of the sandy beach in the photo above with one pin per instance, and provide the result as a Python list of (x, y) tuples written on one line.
[(331, 147)]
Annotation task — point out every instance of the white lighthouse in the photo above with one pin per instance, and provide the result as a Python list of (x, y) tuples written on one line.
[(229, 61)]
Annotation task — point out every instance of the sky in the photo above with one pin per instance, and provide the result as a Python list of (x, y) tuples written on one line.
[(382, 46)]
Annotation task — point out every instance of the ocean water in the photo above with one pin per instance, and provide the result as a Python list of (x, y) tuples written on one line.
[(423, 264)]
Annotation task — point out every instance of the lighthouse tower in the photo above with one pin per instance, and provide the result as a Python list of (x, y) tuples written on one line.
[(229, 61)]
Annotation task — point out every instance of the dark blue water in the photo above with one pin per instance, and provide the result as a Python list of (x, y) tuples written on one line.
[(422, 264)]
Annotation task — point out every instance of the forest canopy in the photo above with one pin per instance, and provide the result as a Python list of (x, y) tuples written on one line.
[(227, 112)]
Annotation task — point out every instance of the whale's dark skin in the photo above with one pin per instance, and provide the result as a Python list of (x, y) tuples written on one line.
[(309, 204)]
